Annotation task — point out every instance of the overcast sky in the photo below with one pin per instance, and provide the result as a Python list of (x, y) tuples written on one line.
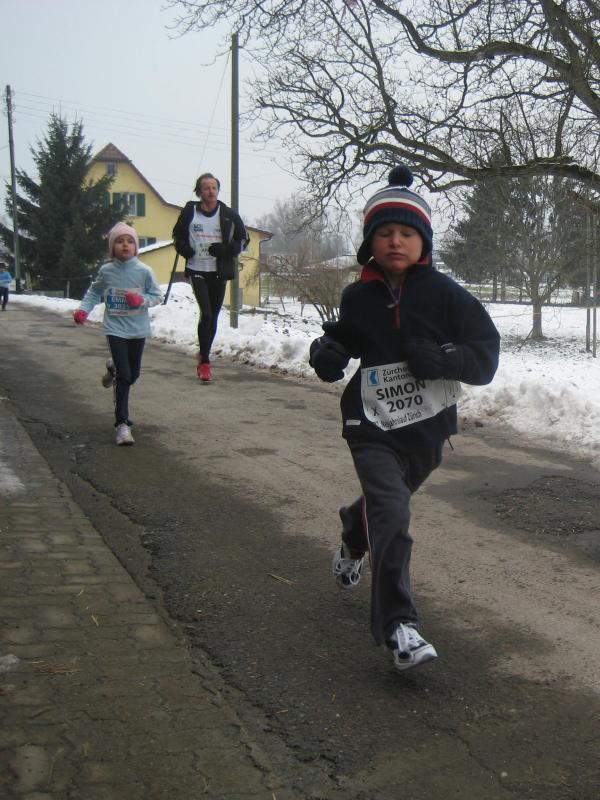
[(163, 100)]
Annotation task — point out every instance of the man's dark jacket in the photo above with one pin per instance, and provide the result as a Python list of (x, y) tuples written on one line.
[(233, 235)]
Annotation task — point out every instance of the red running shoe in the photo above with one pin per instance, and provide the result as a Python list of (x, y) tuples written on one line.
[(204, 372)]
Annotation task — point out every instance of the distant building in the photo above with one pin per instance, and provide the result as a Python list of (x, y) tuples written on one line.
[(344, 262), (153, 218), (439, 264)]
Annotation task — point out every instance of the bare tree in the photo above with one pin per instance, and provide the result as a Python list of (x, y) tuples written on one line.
[(547, 240), (318, 284), (354, 86), (302, 258)]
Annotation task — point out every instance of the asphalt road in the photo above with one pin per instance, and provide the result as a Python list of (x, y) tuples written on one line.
[(225, 513)]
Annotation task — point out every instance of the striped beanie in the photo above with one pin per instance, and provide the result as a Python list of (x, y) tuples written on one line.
[(396, 203), (121, 229)]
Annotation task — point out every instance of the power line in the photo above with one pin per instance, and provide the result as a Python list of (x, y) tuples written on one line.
[(112, 120), (118, 111), (138, 121), (148, 135)]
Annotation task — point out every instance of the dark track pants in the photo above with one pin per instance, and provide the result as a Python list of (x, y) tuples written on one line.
[(378, 523), (209, 291), (127, 358)]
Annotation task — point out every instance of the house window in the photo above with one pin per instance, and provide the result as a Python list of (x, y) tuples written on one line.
[(145, 241), (133, 204), (111, 168)]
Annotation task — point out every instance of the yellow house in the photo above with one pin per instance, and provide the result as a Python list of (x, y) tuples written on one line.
[(153, 218)]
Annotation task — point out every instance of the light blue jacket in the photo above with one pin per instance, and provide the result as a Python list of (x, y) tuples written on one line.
[(5, 278), (110, 286)]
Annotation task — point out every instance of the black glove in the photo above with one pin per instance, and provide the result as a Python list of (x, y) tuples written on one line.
[(219, 250), (428, 360), (328, 358), (185, 251)]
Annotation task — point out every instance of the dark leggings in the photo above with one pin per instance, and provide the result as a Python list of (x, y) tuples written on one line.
[(209, 291), (4, 295), (127, 358), (378, 523)]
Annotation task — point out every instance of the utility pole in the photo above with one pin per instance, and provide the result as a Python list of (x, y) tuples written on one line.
[(13, 184), (235, 168), (588, 279), (595, 282)]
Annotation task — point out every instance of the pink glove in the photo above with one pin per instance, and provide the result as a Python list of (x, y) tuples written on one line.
[(134, 300), (80, 316)]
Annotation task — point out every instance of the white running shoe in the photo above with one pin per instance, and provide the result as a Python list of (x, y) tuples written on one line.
[(124, 434), (347, 571), (409, 648), (108, 380)]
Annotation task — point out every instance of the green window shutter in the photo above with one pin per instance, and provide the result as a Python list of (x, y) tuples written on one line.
[(106, 200), (116, 199), (141, 205)]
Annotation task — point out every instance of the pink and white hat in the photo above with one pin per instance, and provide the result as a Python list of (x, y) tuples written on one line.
[(121, 229)]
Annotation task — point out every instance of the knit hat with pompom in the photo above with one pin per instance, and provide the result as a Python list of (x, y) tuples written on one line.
[(396, 203), (121, 229)]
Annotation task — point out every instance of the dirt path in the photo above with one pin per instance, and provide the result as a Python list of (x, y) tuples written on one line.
[(225, 511)]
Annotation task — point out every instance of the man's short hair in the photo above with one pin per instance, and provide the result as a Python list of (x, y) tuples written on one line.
[(203, 177)]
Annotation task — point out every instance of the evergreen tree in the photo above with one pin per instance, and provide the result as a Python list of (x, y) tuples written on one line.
[(63, 219), (478, 247)]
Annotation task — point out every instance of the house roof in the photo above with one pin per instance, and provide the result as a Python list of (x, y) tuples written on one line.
[(265, 234), (110, 153), (113, 154), (341, 262), (156, 246)]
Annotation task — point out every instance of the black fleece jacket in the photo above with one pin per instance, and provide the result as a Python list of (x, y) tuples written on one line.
[(233, 234), (378, 327)]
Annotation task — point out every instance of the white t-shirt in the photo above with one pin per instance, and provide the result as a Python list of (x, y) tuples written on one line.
[(205, 229)]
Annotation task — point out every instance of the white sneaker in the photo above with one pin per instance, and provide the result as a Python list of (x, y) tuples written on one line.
[(124, 434), (409, 648), (347, 571), (109, 378)]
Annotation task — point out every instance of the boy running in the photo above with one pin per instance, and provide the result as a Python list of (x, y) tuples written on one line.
[(417, 334)]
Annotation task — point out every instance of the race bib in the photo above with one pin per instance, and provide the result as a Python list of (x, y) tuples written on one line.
[(393, 398), (116, 303), (201, 241)]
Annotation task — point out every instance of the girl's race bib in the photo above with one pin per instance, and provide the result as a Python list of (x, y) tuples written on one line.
[(393, 398), (116, 303)]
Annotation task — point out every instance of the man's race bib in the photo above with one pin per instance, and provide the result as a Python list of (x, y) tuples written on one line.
[(393, 398), (116, 303), (201, 242)]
